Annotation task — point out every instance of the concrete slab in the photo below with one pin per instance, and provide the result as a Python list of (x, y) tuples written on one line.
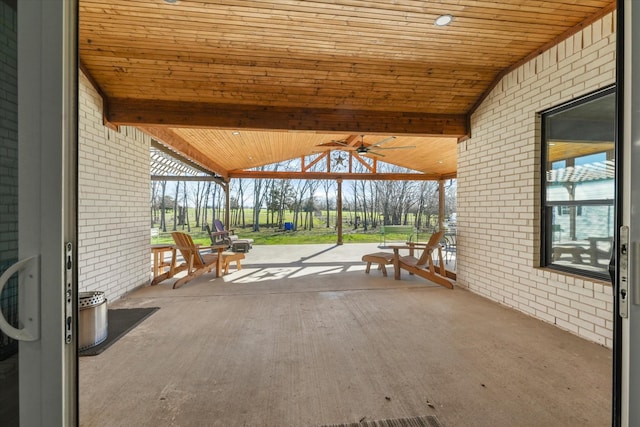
[(301, 337)]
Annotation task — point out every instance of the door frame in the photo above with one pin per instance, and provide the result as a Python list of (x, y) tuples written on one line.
[(47, 140), (627, 348)]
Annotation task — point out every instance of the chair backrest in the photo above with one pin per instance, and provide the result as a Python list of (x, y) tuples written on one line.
[(450, 241), (432, 244), (208, 230), (218, 224), (187, 248)]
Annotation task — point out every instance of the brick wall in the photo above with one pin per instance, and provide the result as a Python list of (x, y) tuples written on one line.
[(499, 172), (8, 137), (113, 199)]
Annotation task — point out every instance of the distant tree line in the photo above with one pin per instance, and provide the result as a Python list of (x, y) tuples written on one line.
[(366, 204)]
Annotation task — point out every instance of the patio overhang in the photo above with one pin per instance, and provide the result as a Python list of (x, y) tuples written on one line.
[(292, 77)]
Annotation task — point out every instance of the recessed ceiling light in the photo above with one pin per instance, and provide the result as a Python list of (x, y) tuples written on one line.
[(443, 20), (235, 132), (171, 1)]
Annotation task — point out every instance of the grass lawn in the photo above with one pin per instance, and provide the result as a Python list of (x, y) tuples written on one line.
[(271, 236)]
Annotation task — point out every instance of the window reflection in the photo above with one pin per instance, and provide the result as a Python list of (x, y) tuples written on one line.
[(579, 150)]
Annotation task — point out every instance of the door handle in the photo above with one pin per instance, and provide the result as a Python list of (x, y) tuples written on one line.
[(29, 295)]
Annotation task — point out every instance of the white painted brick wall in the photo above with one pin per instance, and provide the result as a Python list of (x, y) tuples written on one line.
[(499, 188), (113, 202)]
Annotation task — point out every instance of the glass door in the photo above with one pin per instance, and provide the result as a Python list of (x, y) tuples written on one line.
[(37, 212), (9, 211), (628, 387)]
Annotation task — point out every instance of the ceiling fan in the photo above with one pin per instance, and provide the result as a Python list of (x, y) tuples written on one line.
[(363, 149), (367, 149)]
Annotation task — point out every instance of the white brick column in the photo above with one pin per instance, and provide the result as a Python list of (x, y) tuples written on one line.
[(114, 203)]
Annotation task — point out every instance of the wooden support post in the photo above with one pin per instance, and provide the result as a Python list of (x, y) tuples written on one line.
[(339, 215), (227, 203), (441, 204)]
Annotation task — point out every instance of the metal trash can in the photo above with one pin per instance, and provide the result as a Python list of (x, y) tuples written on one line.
[(92, 319)]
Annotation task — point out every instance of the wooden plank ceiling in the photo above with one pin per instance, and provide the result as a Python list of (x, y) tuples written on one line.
[(292, 77)]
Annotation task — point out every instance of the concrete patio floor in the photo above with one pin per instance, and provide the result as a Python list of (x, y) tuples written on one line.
[(301, 336)]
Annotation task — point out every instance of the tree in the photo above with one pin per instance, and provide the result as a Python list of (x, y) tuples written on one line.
[(215, 190), (373, 215), (239, 204), (185, 208), (427, 190), (163, 219), (299, 191), (205, 204), (277, 199), (327, 186), (155, 201), (175, 207), (260, 190)]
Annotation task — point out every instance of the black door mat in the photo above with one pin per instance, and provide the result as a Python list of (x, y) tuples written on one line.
[(120, 321), (427, 421)]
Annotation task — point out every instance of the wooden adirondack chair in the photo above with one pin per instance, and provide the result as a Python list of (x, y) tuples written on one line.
[(423, 266), (195, 263), (218, 237)]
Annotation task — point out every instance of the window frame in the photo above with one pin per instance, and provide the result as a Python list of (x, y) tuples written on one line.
[(547, 207)]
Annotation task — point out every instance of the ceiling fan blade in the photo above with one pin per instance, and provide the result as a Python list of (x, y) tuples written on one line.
[(341, 142), (374, 153), (395, 148), (391, 138)]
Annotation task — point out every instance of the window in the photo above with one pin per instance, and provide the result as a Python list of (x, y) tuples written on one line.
[(578, 157)]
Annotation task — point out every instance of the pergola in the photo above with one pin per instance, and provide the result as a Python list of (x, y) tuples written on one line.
[(232, 86)]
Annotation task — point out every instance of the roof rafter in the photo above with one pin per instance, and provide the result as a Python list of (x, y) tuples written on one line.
[(340, 175), (168, 137)]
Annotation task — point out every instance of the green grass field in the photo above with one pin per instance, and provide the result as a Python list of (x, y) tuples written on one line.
[(271, 236)]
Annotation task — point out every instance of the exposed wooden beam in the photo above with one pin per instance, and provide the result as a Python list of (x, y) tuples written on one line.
[(352, 140), (140, 112), (336, 175), (103, 97), (305, 168), (361, 160), (441, 204), (168, 137)]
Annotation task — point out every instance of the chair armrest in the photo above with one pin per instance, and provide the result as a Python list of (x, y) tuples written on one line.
[(418, 245), (396, 247), (396, 250)]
